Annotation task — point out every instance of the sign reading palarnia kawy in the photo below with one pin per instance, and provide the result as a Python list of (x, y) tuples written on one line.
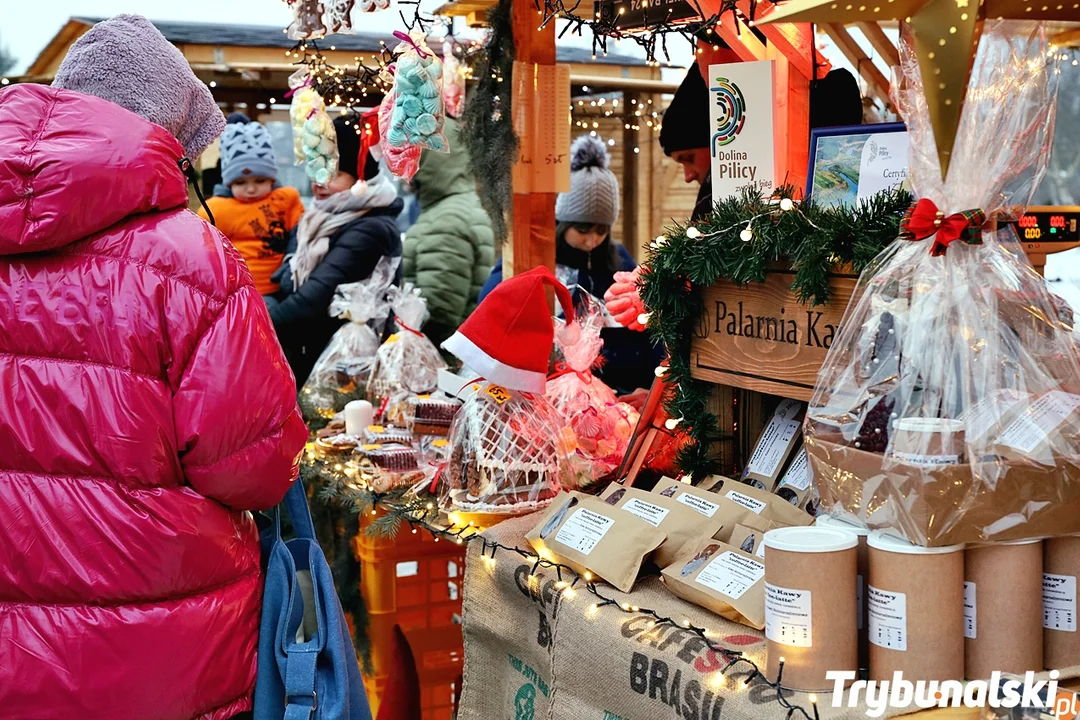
[(741, 127)]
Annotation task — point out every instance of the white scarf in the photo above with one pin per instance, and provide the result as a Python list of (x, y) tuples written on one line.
[(328, 216)]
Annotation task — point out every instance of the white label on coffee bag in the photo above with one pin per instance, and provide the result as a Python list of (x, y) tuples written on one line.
[(746, 501), (787, 410), (731, 574), (1042, 418), (798, 474), (858, 598), (888, 619), (1059, 602), (969, 610), (772, 447), (788, 620), (703, 506), (652, 514), (760, 552), (583, 530)]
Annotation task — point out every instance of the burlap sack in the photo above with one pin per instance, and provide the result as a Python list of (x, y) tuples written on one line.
[(533, 654), (682, 526), (509, 619), (591, 536)]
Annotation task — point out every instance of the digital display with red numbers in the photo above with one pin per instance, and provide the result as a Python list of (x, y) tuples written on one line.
[(1049, 224)]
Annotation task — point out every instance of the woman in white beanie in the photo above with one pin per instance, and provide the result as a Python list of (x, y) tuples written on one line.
[(587, 256)]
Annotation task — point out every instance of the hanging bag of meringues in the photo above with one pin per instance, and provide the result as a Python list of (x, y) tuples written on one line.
[(948, 408)]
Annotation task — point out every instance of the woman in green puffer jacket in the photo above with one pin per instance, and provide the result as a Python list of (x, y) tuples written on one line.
[(450, 249)]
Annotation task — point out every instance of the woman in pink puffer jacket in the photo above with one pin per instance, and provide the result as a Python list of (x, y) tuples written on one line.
[(145, 404)]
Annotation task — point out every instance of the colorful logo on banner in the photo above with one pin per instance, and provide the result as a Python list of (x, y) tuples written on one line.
[(731, 112)]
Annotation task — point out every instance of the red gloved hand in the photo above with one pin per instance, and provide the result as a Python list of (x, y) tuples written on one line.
[(624, 301)]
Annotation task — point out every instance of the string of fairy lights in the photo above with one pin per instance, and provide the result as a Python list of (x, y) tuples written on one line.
[(348, 484)]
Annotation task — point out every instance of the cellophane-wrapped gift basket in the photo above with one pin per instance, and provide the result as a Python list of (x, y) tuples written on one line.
[(341, 372), (408, 363), (507, 456), (948, 408), (596, 427)]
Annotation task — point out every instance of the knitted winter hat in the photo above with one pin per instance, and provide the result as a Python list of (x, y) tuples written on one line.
[(509, 337), (247, 151), (127, 61), (686, 121), (348, 141), (594, 190)]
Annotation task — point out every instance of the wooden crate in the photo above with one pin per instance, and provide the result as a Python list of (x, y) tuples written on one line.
[(760, 337)]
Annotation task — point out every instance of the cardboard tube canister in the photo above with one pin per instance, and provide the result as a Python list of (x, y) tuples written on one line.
[(861, 579), (915, 610), (1002, 628), (810, 605), (1061, 565)]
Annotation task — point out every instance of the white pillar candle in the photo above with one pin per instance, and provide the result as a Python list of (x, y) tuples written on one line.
[(358, 415)]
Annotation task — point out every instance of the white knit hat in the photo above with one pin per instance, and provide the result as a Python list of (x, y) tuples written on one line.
[(594, 190)]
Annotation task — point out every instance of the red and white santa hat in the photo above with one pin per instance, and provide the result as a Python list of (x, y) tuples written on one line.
[(508, 338)]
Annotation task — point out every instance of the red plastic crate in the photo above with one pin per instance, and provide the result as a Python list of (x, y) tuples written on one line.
[(415, 581)]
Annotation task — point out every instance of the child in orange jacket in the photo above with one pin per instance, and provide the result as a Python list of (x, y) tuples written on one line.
[(248, 209)]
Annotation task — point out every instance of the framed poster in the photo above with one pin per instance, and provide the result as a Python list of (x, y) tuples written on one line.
[(741, 137), (850, 164)]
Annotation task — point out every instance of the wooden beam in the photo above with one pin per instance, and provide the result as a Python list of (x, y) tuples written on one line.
[(630, 176), (791, 120), (744, 43), (881, 43), (794, 40), (875, 79), (532, 240)]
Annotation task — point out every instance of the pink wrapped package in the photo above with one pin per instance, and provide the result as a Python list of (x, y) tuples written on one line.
[(597, 426)]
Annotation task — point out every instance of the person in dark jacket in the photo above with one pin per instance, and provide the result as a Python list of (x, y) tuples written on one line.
[(340, 239), (684, 137), (586, 256)]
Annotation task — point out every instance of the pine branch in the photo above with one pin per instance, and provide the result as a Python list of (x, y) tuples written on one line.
[(816, 241)]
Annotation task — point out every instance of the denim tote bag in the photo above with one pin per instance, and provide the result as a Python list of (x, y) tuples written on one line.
[(307, 664)]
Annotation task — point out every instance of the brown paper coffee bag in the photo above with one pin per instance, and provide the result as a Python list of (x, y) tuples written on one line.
[(682, 525), (769, 506), (749, 539), (589, 535), (715, 507), (723, 579)]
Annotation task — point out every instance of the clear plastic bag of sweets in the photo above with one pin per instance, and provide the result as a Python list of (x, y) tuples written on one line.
[(948, 407), (596, 427), (403, 162), (506, 456), (341, 372), (453, 82), (314, 136), (418, 115), (408, 363)]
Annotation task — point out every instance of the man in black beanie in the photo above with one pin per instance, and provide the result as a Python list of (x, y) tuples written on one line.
[(684, 136)]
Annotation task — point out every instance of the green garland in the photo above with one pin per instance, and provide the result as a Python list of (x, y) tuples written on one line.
[(487, 130), (815, 240)]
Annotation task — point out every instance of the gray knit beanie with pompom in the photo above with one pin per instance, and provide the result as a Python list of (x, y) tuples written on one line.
[(594, 189)]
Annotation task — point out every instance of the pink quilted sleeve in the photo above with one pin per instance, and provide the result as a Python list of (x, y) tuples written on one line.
[(238, 427)]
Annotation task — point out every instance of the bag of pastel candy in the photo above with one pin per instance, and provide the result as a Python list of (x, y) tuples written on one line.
[(418, 115)]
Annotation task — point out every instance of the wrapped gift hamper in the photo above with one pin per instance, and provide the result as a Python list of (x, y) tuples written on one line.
[(507, 455), (948, 408)]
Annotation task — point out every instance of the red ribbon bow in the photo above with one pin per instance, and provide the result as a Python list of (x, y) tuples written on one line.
[(923, 219), (565, 369)]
